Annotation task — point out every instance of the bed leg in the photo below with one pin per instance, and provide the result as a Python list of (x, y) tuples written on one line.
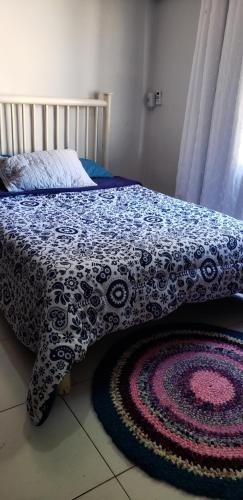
[(65, 385)]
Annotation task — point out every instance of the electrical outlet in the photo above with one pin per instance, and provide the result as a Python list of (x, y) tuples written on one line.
[(158, 98), (153, 99)]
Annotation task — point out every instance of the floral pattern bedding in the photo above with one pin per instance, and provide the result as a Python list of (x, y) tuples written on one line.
[(75, 266)]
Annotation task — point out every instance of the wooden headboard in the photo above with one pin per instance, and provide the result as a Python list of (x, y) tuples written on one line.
[(36, 123)]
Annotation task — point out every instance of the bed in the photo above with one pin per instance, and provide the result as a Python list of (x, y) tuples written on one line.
[(77, 264)]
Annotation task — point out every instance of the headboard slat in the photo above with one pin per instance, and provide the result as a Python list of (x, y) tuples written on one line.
[(87, 132), (67, 125), (18, 127), (46, 127), (12, 125), (56, 126), (96, 133), (1, 127), (33, 127), (26, 123), (77, 128), (23, 127)]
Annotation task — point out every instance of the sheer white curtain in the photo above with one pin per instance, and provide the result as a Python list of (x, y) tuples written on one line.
[(210, 170)]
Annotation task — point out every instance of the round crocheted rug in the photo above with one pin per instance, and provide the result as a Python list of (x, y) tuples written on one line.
[(172, 401)]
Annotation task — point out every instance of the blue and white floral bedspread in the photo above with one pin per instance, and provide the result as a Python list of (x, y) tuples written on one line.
[(76, 266)]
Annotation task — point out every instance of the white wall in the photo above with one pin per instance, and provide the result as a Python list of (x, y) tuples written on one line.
[(172, 46), (73, 48)]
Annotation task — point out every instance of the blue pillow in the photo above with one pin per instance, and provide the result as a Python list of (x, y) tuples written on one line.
[(93, 169)]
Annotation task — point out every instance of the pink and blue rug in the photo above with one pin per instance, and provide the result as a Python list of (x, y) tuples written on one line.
[(172, 401)]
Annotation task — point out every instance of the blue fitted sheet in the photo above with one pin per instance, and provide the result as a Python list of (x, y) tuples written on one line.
[(102, 183)]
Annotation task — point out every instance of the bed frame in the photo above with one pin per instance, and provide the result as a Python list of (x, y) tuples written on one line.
[(40, 123), (36, 123)]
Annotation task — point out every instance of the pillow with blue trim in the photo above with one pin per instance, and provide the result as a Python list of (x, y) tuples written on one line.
[(94, 169), (43, 170)]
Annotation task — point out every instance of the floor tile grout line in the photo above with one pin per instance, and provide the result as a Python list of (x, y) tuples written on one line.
[(121, 485), (94, 488), (12, 407), (114, 476), (97, 449), (125, 470)]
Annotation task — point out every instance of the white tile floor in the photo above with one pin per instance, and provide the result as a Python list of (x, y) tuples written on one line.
[(71, 456)]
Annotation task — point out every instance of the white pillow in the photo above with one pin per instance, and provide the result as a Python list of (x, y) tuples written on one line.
[(43, 170)]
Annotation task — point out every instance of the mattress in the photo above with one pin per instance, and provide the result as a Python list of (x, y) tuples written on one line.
[(78, 264)]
